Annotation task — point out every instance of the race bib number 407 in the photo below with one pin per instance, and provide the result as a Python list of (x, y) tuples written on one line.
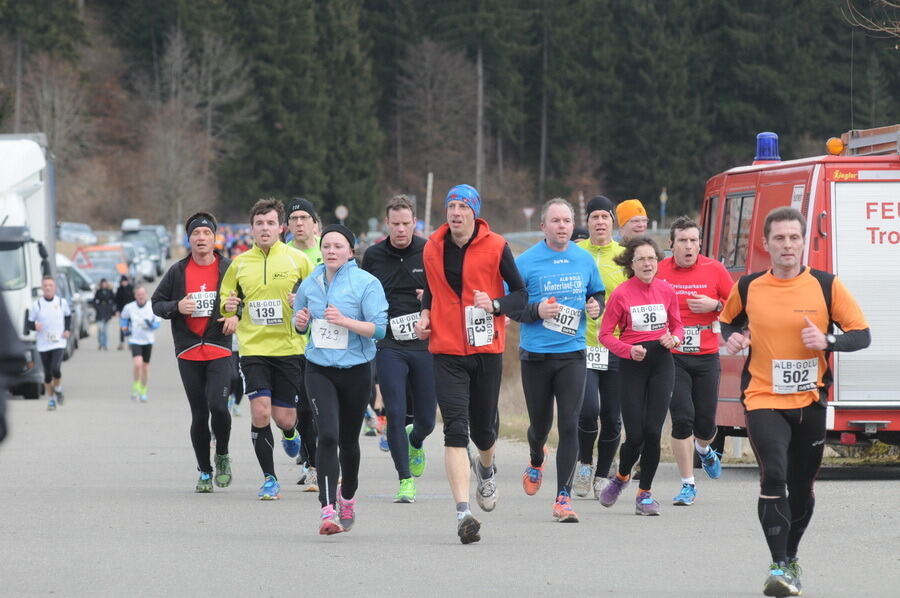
[(566, 321), (266, 312), (479, 326), (794, 375), (647, 318)]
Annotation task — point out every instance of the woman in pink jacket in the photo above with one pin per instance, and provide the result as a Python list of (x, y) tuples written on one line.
[(645, 310)]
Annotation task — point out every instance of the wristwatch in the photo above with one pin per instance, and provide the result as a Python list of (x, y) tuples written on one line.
[(830, 339), (496, 305)]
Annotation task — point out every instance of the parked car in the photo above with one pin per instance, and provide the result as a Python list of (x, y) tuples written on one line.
[(101, 271), (76, 232), (83, 291), (146, 265), (164, 239), (86, 257), (134, 231), (65, 289)]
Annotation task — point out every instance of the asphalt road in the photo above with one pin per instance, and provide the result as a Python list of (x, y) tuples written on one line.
[(96, 499)]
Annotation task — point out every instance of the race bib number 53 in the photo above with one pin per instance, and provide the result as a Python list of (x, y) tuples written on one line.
[(647, 318), (479, 326), (794, 375)]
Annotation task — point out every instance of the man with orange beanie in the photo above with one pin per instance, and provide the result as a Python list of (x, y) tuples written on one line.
[(632, 219)]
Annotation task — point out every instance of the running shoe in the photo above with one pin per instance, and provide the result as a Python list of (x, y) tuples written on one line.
[(780, 582), (51, 404), (371, 422), (599, 485), (645, 504), (231, 403), (329, 523), (303, 471), (793, 567), (382, 424), (407, 492), (223, 471), (610, 494), (270, 490), (60, 397), (686, 497), (204, 484), (346, 509), (416, 456), (135, 390), (236, 410), (383, 443), (467, 528), (291, 445), (312, 480), (144, 397), (531, 479), (581, 485), (486, 490), (712, 465), (562, 509)]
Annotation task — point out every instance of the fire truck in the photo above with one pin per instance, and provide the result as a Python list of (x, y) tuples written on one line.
[(850, 198)]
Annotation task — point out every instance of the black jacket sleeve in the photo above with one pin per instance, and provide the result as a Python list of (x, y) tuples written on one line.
[(164, 303), (517, 298)]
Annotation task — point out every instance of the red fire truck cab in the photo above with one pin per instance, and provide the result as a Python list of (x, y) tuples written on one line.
[(851, 201)]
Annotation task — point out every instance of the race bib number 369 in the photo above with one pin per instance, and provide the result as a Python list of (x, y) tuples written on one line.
[(647, 318), (204, 304), (266, 312), (479, 326), (794, 375)]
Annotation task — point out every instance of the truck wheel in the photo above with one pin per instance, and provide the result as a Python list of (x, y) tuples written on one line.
[(31, 391)]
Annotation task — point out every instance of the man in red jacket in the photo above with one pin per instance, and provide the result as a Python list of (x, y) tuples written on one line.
[(465, 267)]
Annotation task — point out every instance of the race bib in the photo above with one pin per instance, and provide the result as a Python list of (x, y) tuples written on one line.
[(404, 327), (691, 341), (52, 337), (794, 375), (479, 326), (265, 312), (647, 318), (565, 322), (205, 301), (598, 358), (329, 336)]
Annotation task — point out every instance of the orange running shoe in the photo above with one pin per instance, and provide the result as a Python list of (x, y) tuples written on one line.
[(382, 424), (531, 479), (562, 509)]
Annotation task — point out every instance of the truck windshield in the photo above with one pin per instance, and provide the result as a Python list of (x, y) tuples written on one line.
[(12, 269)]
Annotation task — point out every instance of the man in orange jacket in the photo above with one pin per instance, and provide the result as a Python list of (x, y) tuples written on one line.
[(465, 267)]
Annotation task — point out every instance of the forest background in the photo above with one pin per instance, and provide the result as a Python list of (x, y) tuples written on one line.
[(154, 108)]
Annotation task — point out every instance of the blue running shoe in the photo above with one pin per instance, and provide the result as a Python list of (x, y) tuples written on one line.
[(51, 404), (686, 497), (780, 582), (383, 443), (291, 445), (712, 465), (270, 490)]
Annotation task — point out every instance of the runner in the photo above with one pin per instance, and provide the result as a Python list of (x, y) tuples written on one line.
[(345, 310), (701, 285), (563, 283), (303, 224), (784, 316), (138, 323), (632, 219), (51, 319), (124, 296), (466, 265), (188, 295), (260, 281), (105, 307), (646, 311), (601, 388), (402, 359)]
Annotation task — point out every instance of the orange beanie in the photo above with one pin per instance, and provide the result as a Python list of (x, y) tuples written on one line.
[(628, 209)]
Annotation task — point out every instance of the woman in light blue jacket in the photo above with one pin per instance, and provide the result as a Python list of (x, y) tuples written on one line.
[(345, 310)]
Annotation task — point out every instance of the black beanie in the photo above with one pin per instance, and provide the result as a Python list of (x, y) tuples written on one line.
[(303, 205), (338, 228), (600, 202), (201, 220)]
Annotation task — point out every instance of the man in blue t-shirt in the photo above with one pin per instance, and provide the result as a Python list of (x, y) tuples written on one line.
[(564, 287)]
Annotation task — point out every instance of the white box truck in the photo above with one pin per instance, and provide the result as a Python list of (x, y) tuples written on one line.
[(27, 238)]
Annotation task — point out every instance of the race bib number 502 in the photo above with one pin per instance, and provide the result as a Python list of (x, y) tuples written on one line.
[(794, 375)]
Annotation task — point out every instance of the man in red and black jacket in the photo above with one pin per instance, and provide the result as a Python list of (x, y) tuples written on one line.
[(188, 295), (465, 267)]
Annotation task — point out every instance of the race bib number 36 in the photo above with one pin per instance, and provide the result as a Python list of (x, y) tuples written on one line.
[(204, 304), (647, 318), (404, 327), (479, 326), (329, 336), (566, 321), (794, 375), (598, 358), (266, 312)]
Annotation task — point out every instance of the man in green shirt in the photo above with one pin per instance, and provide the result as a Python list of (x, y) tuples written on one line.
[(303, 222)]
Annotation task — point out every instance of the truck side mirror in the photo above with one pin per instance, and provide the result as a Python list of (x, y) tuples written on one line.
[(42, 251)]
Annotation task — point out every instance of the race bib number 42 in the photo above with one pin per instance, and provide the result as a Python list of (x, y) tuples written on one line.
[(204, 304), (566, 321), (794, 375), (479, 326), (329, 336), (404, 327), (647, 318), (266, 312)]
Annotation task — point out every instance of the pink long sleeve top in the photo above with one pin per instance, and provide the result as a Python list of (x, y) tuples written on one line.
[(643, 312)]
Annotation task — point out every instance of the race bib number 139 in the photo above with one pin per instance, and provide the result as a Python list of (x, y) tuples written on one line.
[(266, 312)]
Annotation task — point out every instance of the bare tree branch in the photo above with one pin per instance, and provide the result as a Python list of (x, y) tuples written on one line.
[(877, 16)]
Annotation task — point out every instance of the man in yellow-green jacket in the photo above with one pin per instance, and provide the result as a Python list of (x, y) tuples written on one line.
[(601, 388), (258, 286)]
